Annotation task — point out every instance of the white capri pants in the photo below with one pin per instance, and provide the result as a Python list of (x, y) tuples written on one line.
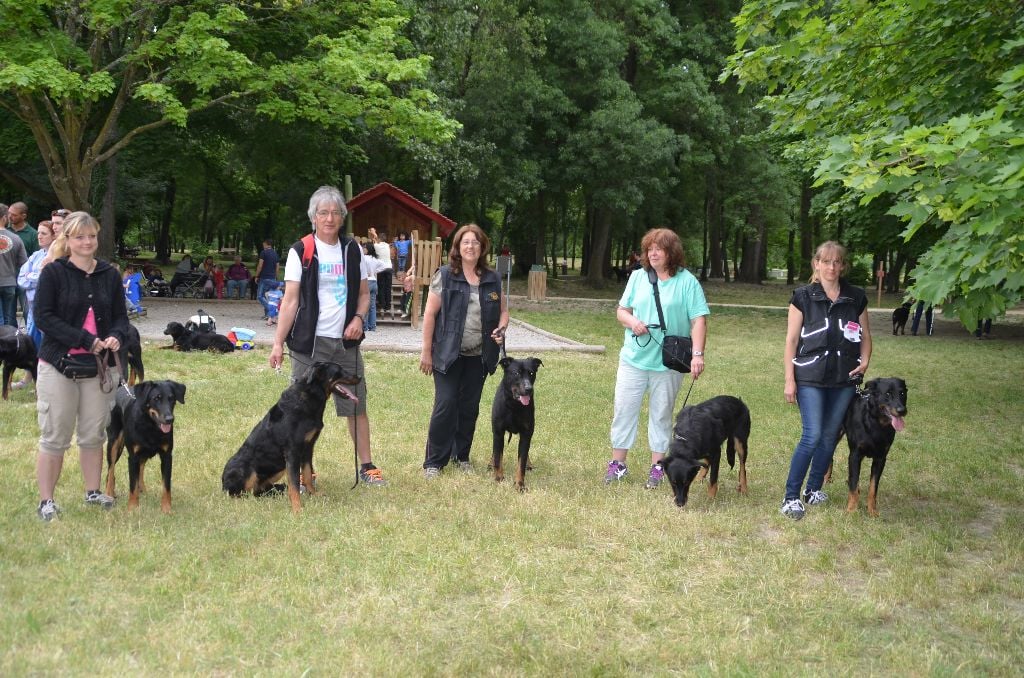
[(630, 385)]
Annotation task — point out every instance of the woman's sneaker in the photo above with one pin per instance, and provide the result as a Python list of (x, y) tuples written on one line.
[(655, 477), (104, 501), (815, 498), (793, 508), (47, 510), (616, 471)]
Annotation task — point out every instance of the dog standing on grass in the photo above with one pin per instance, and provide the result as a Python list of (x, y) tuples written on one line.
[(874, 417), (513, 412), (696, 445), (17, 352), (142, 422), (899, 318)]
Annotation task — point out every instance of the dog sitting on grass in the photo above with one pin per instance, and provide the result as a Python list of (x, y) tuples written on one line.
[(282, 442)]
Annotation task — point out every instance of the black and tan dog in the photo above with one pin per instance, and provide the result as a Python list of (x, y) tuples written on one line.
[(133, 370), (871, 424), (283, 441), (513, 412), (184, 339), (696, 445), (17, 352), (143, 424), (899, 318)]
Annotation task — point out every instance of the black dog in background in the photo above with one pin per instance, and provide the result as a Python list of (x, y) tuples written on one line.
[(17, 352), (284, 439), (184, 339), (143, 423), (513, 412), (696, 445), (871, 424), (899, 317)]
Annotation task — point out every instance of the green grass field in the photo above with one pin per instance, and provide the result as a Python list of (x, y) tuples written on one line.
[(467, 577)]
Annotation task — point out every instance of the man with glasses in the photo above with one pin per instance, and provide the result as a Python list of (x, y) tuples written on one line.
[(323, 314)]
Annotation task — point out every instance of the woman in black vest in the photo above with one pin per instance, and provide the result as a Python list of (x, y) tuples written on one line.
[(463, 324), (828, 346)]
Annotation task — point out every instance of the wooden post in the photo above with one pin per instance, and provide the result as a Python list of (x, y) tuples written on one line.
[(427, 258), (435, 204), (881, 280), (537, 284), (348, 197)]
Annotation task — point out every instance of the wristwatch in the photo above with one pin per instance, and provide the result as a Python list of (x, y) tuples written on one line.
[(698, 354)]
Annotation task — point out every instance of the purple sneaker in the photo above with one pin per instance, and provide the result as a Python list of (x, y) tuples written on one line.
[(616, 471), (654, 479)]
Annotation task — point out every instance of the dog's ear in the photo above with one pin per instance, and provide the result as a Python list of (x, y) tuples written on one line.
[(142, 390), (536, 363), (315, 372), (179, 391), (504, 362)]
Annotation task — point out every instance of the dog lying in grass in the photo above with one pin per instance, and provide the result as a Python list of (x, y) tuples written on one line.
[(283, 441), (184, 339), (696, 445)]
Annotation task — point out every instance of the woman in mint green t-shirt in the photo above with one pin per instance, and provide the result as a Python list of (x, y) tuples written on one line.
[(640, 369)]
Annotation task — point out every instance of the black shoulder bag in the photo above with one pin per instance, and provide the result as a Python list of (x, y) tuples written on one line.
[(676, 352)]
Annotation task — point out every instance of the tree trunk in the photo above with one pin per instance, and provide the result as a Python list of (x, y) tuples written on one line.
[(806, 244), (596, 271), (715, 253), (163, 239), (108, 213)]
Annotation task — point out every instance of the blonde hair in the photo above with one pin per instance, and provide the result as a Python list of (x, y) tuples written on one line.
[(73, 225), (840, 253)]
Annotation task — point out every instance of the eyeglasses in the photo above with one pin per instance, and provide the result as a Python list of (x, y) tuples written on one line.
[(470, 243), (329, 213), (830, 262)]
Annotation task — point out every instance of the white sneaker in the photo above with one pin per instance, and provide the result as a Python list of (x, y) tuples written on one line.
[(815, 498), (793, 508)]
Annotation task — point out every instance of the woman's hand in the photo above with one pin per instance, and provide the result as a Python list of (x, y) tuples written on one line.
[(637, 326), (696, 366), (498, 335), (790, 391), (426, 362)]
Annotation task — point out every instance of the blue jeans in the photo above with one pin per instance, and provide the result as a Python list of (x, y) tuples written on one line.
[(371, 317), (9, 305), (241, 285), (821, 414), (261, 287)]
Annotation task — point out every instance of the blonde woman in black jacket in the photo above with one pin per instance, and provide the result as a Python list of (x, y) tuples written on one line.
[(80, 309)]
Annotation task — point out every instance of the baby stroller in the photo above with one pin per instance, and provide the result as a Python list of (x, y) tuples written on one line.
[(155, 285), (201, 322), (190, 285)]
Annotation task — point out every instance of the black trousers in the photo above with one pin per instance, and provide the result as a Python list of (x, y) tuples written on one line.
[(384, 290), (456, 406)]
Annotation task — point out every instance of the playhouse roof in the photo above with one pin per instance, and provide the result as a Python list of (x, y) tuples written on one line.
[(420, 211)]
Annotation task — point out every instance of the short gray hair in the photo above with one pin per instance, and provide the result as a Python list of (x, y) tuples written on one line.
[(326, 194), (3, 210)]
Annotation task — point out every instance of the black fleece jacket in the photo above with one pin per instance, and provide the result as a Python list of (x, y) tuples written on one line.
[(63, 298)]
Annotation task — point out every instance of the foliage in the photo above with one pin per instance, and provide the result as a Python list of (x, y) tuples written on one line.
[(87, 79), (918, 102)]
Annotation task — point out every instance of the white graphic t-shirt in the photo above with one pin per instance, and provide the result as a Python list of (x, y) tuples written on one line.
[(332, 291)]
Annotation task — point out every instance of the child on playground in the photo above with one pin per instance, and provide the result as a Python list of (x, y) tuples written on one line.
[(132, 283), (407, 284), (218, 280), (272, 300)]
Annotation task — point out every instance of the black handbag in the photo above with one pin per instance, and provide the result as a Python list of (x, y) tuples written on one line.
[(676, 352), (79, 365)]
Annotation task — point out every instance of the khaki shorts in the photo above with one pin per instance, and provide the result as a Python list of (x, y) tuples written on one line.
[(329, 350), (61, 403)]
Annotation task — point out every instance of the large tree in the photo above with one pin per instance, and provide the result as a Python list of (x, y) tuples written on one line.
[(917, 100), (71, 72)]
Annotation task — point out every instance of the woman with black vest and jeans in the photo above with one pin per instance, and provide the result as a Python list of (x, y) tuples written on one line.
[(828, 346), (323, 313), (463, 324)]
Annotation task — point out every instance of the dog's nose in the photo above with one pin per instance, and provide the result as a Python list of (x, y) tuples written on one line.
[(169, 419)]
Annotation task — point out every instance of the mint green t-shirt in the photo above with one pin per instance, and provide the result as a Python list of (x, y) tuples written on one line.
[(682, 300)]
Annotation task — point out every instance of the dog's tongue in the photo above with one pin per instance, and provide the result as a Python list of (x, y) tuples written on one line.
[(165, 428), (524, 399), (897, 422)]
